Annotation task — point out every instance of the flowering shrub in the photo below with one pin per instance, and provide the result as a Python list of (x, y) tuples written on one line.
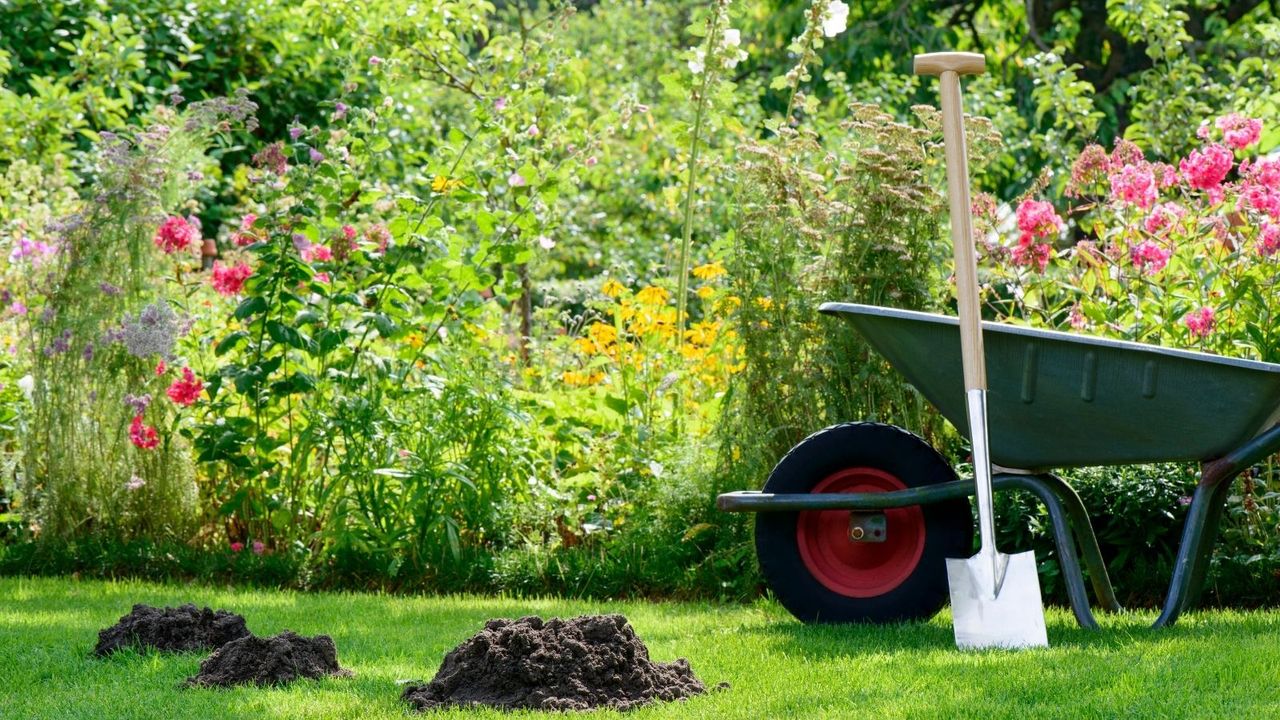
[(1175, 255), (98, 324)]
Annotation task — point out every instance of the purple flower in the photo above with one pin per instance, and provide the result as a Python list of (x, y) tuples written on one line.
[(108, 289), (35, 250), (88, 352), (300, 242), (374, 60), (315, 155), (138, 403), (339, 111), (135, 483), (1184, 500), (17, 308), (500, 104), (516, 180), (296, 131)]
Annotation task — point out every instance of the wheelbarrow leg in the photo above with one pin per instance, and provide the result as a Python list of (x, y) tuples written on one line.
[(1198, 536), (1066, 512), (1090, 552), (1201, 528)]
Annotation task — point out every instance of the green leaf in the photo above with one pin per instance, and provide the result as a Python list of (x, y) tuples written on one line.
[(230, 342), (251, 306)]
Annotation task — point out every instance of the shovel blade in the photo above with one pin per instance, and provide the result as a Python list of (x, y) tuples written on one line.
[(1012, 618)]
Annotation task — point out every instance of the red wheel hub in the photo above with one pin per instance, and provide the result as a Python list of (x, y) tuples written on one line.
[(860, 569)]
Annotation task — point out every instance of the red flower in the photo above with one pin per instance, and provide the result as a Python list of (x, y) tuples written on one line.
[(185, 390), (142, 436), (175, 234), (229, 280), (161, 368)]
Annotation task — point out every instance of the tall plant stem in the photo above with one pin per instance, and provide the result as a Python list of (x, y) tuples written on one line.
[(682, 284)]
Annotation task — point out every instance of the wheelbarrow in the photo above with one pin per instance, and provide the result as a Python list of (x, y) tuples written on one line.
[(855, 523)]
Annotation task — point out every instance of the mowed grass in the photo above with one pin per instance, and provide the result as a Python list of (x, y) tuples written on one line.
[(1211, 665)]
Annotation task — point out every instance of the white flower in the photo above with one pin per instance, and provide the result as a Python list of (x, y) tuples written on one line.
[(698, 61), (27, 385), (135, 483), (730, 45), (546, 242), (836, 19)]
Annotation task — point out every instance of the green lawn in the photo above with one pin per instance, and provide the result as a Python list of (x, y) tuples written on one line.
[(1213, 664)]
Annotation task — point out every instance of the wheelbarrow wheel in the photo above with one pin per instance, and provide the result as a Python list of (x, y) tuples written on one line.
[(810, 561)]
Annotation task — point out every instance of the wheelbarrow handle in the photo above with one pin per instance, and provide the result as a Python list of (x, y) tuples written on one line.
[(949, 66)]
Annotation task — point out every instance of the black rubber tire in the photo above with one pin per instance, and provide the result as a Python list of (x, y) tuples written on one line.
[(948, 525)]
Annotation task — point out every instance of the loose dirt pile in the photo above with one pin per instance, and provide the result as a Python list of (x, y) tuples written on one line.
[(276, 660), (578, 664), (171, 629)]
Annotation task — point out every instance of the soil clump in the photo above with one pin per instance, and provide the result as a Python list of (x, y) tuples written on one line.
[(587, 662), (185, 628)]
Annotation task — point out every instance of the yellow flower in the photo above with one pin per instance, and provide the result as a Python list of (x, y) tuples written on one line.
[(706, 291), (416, 340), (602, 334), (765, 303), (613, 288), (710, 271), (442, 184), (653, 296)]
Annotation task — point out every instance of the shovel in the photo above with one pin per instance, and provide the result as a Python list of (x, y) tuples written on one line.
[(995, 598)]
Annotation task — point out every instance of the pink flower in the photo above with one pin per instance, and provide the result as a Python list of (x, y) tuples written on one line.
[(1126, 152), (1038, 219), (314, 252), (379, 234), (1134, 184), (374, 60), (1077, 318), (1166, 174), (516, 180), (349, 232), (322, 277), (1199, 322), (500, 104), (176, 233), (1091, 167), (161, 368), (185, 391), (1262, 199), (533, 130), (590, 161), (246, 222), (1239, 131), (1269, 240), (315, 155), (36, 250), (259, 547), (1206, 170), (1163, 217), (17, 307), (1149, 257), (229, 280), (142, 436), (1264, 172), (1031, 253), (237, 547)]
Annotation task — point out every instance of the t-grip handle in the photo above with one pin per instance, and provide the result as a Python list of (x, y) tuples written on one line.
[(961, 63)]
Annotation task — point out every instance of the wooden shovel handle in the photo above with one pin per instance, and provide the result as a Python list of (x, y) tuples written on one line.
[(949, 67)]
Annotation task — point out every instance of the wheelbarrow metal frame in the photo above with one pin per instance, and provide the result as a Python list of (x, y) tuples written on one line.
[(1069, 519)]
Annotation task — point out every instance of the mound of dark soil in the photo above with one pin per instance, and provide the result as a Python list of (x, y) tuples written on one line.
[(577, 664), (181, 629), (275, 660)]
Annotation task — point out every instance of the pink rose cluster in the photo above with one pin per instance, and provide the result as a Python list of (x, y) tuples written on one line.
[(229, 280), (1037, 221), (176, 234), (1200, 322)]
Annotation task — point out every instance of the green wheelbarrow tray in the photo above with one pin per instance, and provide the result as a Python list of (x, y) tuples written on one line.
[(1064, 400)]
